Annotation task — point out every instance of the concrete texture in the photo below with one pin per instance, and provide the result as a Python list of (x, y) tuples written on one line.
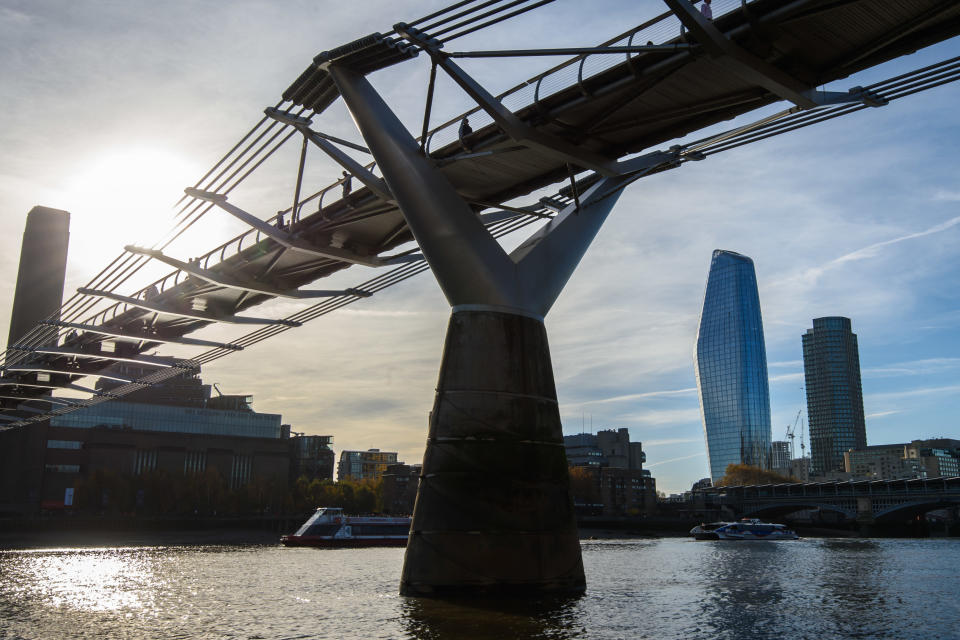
[(494, 514)]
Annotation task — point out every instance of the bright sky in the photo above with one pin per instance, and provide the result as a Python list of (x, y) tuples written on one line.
[(110, 109)]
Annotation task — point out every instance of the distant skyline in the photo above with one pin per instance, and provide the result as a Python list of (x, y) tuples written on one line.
[(111, 109)]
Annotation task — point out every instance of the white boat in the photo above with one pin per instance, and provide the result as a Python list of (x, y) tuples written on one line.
[(329, 527), (746, 529)]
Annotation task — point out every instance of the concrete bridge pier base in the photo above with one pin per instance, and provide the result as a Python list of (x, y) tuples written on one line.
[(494, 513)]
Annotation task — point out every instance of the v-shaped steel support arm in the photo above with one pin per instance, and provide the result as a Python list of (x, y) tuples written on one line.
[(472, 268)]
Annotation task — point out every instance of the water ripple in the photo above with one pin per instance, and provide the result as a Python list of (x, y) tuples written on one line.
[(658, 589)]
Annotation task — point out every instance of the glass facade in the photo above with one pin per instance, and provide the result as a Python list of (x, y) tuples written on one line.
[(364, 465), (730, 361), (831, 370), (154, 417)]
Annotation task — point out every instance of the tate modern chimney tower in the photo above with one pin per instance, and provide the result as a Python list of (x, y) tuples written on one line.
[(43, 265)]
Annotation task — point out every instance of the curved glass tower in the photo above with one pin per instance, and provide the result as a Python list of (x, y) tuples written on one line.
[(730, 360)]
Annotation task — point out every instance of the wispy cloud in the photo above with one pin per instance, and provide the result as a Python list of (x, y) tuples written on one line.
[(663, 417), (812, 274), (880, 414), (635, 396), (913, 368), (873, 249), (927, 391), (943, 195), (660, 443), (691, 456), (786, 377), (785, 363)]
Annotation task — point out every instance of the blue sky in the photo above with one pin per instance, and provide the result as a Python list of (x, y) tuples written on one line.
[(111, 108)]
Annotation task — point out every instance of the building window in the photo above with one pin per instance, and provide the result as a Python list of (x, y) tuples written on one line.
[(64, 444), (195, 462), (240, 472), (63, 468), (146, 461)]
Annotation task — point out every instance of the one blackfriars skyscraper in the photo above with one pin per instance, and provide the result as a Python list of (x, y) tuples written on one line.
[(730, 360), (831, 369)]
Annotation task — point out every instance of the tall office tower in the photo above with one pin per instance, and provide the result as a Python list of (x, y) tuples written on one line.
[(831, 368), (730, 361), (43, 265)]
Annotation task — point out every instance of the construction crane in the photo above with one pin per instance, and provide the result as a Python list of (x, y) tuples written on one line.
[(791, 434)]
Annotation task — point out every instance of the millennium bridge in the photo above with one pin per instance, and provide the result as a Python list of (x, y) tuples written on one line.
[(493, 512)]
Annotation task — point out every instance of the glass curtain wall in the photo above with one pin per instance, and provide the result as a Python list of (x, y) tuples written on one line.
[(730, 361), (831, 367)]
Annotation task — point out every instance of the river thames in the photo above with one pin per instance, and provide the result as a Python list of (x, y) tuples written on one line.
[(651, 588)]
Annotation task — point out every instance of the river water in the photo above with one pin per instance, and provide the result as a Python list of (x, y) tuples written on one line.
[(658, 589)]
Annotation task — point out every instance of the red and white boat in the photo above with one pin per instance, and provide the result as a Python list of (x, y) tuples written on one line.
[(328, 527)]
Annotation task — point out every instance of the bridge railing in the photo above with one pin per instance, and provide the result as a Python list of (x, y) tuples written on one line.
[(726, 495), (662, 29)]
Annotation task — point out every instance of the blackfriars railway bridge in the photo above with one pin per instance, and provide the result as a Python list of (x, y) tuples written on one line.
[(493, 513), (864, 501)]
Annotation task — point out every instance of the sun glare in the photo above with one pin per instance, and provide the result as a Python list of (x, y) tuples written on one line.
[(124, 196)]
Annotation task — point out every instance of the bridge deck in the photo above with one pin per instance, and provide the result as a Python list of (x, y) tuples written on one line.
[(607, 105)]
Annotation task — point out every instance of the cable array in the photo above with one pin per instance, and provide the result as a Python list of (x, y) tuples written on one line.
[(268, 135)]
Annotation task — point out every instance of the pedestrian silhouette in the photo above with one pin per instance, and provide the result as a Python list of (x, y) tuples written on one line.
[(464, 134), (706, 10)]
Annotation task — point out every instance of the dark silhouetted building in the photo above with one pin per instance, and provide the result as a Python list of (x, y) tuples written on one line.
[(174, 429), (311, 457), (831, 369), (38, 295), (610, 479), (730, 362), (608, 448), (43, 266), (400, 482), (154, 434)]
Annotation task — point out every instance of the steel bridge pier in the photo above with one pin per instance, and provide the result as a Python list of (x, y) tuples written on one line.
[(494, 513)]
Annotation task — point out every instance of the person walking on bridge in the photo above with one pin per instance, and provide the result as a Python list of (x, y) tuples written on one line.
[(464, 134)]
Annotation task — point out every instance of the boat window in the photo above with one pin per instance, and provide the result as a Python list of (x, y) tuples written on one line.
[(322, 529), (381, 529), (306, 525)]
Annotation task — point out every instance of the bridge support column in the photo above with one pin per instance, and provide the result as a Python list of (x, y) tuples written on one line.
[(494, 513), (865, 517)]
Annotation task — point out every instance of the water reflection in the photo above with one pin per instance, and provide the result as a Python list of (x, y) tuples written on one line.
[(667, 589), (853, 592), (553, 619), (743, 589), (82, 579)]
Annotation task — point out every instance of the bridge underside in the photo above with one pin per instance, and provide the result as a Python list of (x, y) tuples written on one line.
[(911, 510), (877, 508), (782, 510)]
